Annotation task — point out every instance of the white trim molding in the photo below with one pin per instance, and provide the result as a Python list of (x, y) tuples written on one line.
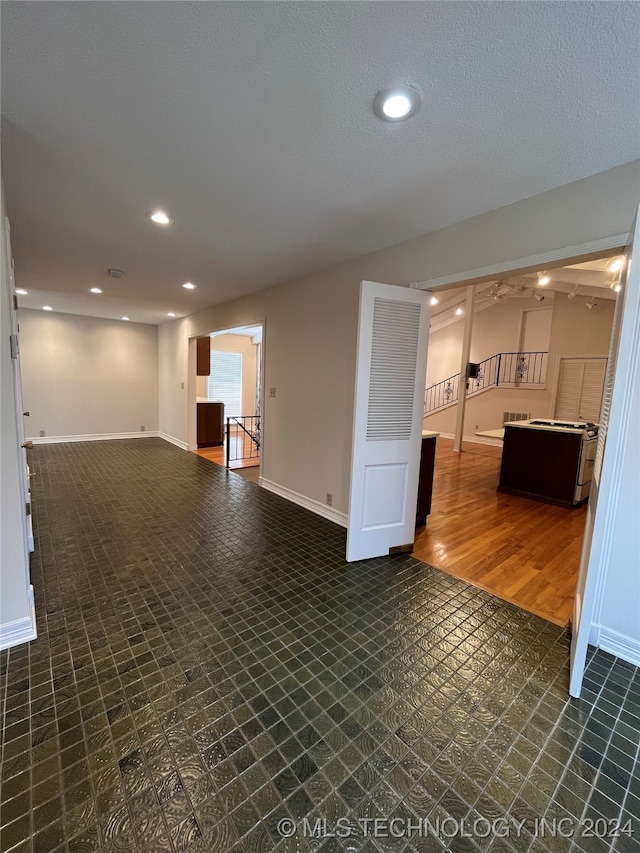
[(20, 630), (108, 436), (619, 645), (303, 501), (178, 443), (518, 266)]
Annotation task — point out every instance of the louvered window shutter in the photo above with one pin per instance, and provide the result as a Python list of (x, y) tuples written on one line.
[(608, 387)]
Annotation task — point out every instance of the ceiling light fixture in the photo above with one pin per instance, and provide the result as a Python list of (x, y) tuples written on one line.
[(573, 293), (459, 310), (125, 318), (539, 296), (592, 303), (543, 279), (397, 103), (160, 217), (616, 264), (47, 308), (188, 286), (21, 292), (434, 300), (170, 314), (95, 290)]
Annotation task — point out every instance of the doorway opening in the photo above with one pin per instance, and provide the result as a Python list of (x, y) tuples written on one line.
[(228, 399), (558, 334)]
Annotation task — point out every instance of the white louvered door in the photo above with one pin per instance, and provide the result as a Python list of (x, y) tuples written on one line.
[(615, 415), (580, 387), (393, 332)]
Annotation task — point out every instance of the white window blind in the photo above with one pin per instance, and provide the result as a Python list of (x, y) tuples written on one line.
[(225, 381)]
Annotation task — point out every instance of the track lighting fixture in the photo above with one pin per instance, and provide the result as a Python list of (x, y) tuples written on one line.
[(543, 279), (616, 264), (573, 293), (592, 303), (539, 296)]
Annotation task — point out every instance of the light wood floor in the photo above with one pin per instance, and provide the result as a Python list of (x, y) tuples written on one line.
[(241, 444), (520, 550)]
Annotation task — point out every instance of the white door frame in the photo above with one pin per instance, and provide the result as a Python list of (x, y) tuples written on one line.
[(597, 568)]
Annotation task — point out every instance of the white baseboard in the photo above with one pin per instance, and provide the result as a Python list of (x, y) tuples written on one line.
[(308, 503), (620, 645), (108, 436), (181, 444), (20, 630)]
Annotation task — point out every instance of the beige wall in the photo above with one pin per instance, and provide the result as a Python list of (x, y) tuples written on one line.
[(88, 376), (311, 323)]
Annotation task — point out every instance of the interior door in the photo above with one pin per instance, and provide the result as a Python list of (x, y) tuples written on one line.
[(17, 383), (594, 544), (393, 331)]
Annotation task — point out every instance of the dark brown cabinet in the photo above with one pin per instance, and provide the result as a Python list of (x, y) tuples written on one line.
[(425, 479), (210, 424), (540, 464), (203, 356)]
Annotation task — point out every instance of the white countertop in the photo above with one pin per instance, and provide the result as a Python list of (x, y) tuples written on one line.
[(492, 433), (426, 433)]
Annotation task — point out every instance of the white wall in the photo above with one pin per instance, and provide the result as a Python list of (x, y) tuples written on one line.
[(311, 323), (16, 615), (88, 376)]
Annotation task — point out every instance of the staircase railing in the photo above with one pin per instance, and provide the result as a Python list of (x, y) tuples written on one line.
[(243, 438), (511, 369)]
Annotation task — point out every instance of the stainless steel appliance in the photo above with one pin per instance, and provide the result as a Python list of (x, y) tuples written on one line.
[(549, 460)]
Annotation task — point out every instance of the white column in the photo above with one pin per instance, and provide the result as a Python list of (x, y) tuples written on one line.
[(464, 361)]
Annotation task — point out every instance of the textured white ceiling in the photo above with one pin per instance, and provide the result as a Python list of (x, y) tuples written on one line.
[(251, 123)]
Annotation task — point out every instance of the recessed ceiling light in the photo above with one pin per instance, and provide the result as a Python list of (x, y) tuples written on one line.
[(95, 290), (125, 318), (47, 308), (434, 300), (188, 286), (397, 103), (459, 310), (21, 292), (543, 279), (170, 314), (616, 264), (160, 217)]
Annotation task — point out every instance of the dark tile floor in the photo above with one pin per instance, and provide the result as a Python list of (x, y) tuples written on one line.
[(210, 675)]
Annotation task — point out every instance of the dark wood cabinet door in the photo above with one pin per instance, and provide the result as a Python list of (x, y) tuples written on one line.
[(203, 356), (210, 424)]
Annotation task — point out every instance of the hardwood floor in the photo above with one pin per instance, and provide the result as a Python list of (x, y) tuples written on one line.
[(520, 550), (240, 445)]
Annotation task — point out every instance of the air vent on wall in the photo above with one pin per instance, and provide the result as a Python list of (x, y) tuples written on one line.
[(507, 417), (113, 273)]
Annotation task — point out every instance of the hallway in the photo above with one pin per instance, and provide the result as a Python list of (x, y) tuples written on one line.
[(209, 671)]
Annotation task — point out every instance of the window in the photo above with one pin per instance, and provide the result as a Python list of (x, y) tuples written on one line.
[(225, 381)]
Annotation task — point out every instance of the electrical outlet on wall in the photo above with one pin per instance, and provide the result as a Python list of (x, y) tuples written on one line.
[(329, 499), (143, 428), (272, 392), (43, 432)]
